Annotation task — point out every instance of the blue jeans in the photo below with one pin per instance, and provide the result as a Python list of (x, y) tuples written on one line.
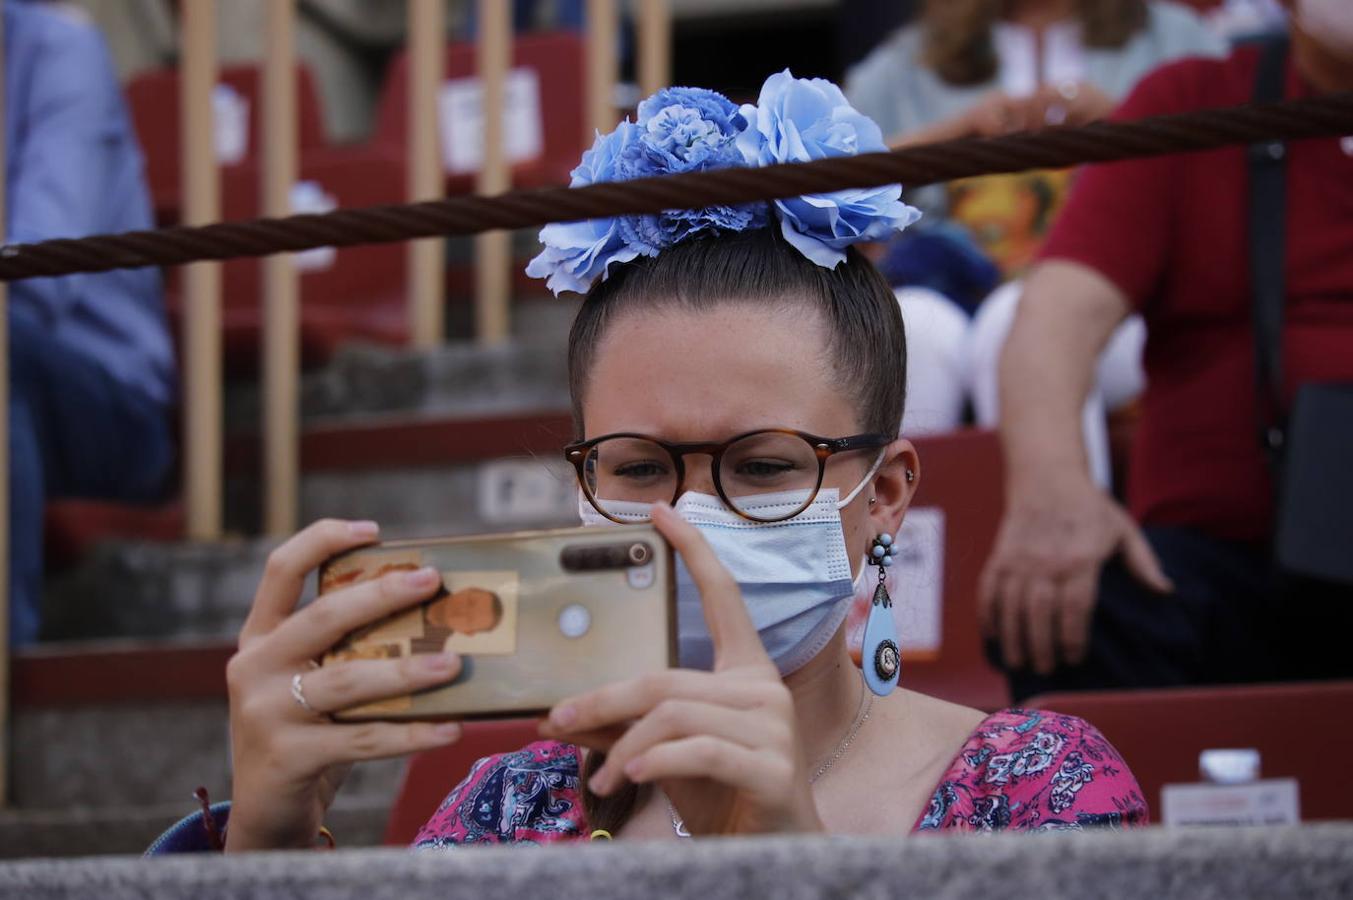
[(73, 432)]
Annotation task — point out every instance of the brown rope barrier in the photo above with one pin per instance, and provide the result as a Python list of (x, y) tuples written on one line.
[(915, 166)]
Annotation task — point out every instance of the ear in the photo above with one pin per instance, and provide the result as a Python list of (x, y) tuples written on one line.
[(893, 488)]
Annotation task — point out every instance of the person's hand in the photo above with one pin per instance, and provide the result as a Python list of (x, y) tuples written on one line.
[(997, 113), (1068, 103), (289, 762), (1038, 589), (722, 745)]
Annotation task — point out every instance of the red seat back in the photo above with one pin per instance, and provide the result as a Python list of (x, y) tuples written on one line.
[(429, 776), (556, 57), (359, 294), (962, 475), (1295, 728), (153, 97)]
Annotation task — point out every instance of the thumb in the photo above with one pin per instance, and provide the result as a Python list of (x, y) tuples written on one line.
[(1141, 560)]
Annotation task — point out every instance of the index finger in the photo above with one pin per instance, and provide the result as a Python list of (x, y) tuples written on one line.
[(735, 639), (279, 590)]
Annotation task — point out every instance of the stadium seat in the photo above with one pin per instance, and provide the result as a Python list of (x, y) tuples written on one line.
[(556, 58), (350, 293), (153, 98), (962, 475), (1296, 728)]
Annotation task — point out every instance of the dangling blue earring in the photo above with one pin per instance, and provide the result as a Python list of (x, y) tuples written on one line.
[(881, 658)]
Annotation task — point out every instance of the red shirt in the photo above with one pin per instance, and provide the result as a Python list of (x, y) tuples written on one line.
[(1171, 233)]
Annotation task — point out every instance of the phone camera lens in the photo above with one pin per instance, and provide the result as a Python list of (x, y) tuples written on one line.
[(640, 554)]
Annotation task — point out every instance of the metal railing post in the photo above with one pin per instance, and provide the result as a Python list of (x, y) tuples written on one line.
[(654, 45), (281, 284), (603, 63), (493, 249), (4, 465), (426, 257), (202, 379)]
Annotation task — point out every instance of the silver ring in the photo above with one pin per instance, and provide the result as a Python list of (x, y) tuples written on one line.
[(299, 695), (1068, 90)]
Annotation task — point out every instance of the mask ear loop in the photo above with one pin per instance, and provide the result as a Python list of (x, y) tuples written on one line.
[(868, 476)]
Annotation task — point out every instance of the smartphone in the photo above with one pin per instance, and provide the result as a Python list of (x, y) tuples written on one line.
[(536, 617)]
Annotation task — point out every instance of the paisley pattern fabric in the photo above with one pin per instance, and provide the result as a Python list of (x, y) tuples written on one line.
[(1020, 770), (1028, 770), (532, 796)]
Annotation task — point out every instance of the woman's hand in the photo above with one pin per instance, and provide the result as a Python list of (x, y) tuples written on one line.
[(722, 745), (289, 762), (1069, 103)]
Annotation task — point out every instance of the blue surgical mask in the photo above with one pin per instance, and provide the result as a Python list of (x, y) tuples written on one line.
[(795, 575)]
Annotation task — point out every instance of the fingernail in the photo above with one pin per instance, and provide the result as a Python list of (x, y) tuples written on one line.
[(632, 768), (563, 716), (597, 783), (425, 577), (447, 730), (438, 663), (364, 529)]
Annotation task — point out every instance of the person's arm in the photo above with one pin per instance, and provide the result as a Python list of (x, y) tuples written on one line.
[(997, 113), (1108, 254), (1038, 589), (1066, 315), (71, 131)]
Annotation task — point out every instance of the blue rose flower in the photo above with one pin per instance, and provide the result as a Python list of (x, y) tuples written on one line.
[(577, 253), (802, 119), (685, 130)]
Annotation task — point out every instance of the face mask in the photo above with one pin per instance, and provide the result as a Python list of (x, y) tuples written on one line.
[(1330, 22), (794, 575)]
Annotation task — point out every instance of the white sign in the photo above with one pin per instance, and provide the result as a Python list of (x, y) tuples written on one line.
[(230, 118), (310, 197), (462, 121), (917, 579), (527, 492), (1274, 801)]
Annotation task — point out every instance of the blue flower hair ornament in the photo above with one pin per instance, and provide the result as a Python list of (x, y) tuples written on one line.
[(693, 130)]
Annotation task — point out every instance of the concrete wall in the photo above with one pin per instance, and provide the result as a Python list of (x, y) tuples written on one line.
[(1312, 862)]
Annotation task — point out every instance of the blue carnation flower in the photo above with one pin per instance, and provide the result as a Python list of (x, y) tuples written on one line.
[(694, 130), (577, 253), (685, 130), (802, 119), (678, 130)]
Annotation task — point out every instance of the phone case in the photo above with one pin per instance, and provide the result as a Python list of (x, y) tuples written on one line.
[(536, 617)]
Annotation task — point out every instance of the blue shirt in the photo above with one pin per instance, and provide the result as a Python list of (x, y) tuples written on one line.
[(74, 168)]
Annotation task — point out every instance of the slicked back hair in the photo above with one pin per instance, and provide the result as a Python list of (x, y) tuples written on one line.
[(867, 344)]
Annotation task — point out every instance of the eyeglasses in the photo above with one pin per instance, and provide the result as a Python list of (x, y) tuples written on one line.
[(636, 468)]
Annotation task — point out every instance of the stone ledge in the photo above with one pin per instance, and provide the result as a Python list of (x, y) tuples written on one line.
[(1311, 861), (357, 822)]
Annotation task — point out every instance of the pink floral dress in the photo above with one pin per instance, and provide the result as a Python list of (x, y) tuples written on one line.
[(1020, 770)]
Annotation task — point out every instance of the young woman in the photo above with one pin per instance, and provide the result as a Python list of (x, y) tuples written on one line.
[(737, 377)]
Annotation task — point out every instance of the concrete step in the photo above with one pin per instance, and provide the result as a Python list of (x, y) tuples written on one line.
[(416, 476), (110, 740), (460, 377), (133, 754)]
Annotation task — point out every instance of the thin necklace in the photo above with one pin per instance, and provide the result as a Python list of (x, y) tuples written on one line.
[(861, 716)]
